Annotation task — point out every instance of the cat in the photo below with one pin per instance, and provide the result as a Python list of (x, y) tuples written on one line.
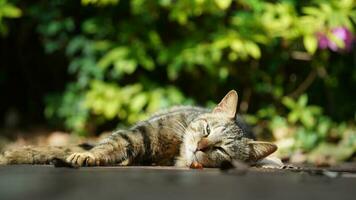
[(182, 136)]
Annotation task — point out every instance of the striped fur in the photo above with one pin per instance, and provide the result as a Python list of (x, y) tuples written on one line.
[(180, 136)]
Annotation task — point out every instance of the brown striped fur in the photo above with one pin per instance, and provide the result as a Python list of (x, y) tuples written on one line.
[(179, 136)]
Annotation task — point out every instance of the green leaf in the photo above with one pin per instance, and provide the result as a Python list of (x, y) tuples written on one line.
[(316, 110), (237, 45), (10, 11), (310, 43), (302, 101), (126, 66), (253, 49), (289, 102), (99, 2), (323, 126), (112, 56), (312, 11), (307, 119), (223, 4), (310, 141), (223, 73), (138, 102), (293, 117)]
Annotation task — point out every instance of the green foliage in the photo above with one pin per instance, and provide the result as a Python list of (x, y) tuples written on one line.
[(303, 127), (110, 100), (300, 111), (128, 59), (100, 2), (7, 10)]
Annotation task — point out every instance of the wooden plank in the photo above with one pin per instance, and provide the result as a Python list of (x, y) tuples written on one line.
[(46, 182)]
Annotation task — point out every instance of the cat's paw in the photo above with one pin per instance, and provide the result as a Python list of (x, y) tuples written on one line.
[(291, 167), (270, 163), (83, 159)]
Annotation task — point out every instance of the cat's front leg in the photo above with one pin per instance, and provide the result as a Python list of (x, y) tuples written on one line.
[(83, 159), (93, 157), (113, 150)]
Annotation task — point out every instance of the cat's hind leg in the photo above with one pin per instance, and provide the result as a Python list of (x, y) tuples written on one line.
[(270, 162), (37, 154)]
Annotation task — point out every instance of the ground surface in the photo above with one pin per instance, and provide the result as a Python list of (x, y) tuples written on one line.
[(47, 182)]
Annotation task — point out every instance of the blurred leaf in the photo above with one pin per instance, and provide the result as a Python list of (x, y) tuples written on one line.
[(310, 43), (293, 117), (138, 102), (223, 4), (99, 2), (303, 100), (307, 140), (307, 119), (9, 11), (113, 55), (289, 102), (330, 151), (253, 50)]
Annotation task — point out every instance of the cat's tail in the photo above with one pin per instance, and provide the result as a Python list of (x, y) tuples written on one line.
[(40, 154)]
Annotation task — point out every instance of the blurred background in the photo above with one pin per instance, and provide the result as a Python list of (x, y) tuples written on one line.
[(77, 69)]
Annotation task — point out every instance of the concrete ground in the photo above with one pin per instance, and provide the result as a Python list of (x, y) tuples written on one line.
[(47, 182)]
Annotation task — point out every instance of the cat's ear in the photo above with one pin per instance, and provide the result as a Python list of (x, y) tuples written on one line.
[(228, 104), (260, 150)]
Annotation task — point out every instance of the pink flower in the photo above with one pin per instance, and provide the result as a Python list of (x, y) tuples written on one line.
[(342, 33), (323, 41)]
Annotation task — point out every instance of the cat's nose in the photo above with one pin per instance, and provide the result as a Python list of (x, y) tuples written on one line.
[(203, 145)]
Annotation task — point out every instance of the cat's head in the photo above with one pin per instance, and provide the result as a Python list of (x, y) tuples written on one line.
[(215, 137)]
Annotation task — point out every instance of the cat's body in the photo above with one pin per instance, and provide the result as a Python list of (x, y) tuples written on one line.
[(183, 136)]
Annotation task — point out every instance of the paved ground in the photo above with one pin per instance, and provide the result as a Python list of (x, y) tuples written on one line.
[(46, 182)]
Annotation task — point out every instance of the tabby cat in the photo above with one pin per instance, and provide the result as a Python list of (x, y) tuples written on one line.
[(183, 136)]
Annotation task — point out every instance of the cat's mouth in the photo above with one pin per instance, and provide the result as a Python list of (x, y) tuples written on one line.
[(193, 160), (197, 162), (194, 156)]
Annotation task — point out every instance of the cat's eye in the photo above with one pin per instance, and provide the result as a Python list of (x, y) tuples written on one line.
[(220, 149), (207, 130)]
